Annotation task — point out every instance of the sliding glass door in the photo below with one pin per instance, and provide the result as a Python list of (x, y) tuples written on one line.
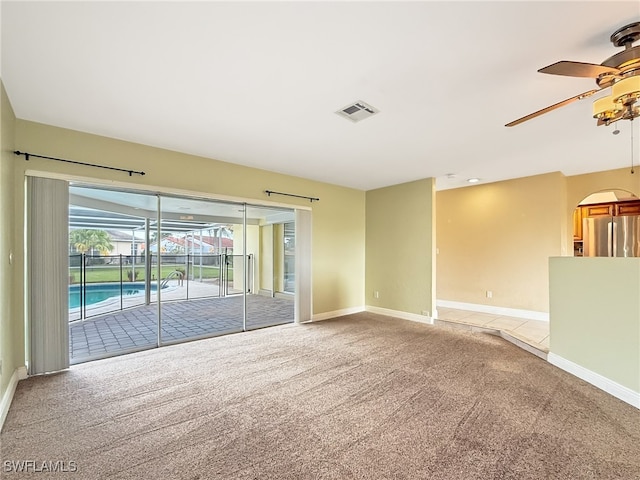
[(147, 270), (110, 287), (271, 240), (200, 289)]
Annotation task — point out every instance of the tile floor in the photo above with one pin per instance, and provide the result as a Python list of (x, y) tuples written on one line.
[(136, 328), (534, 333)]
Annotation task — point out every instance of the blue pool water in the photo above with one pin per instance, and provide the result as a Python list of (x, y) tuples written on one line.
[(98, 292)]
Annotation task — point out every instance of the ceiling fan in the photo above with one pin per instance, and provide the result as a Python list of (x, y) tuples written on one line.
[(621, 72)]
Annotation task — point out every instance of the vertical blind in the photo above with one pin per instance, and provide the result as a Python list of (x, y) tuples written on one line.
[(303, 307), (47, 270)]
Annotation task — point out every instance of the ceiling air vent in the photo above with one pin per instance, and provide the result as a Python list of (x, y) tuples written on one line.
[(357, 111)]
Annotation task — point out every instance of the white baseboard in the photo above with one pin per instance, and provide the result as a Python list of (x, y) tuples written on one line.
[(509, 312), (336, 313), (414, 317), (285, 295), (603, 383), (19, 374), (268, 293)]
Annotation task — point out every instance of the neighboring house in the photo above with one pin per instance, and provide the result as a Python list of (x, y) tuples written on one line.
[(194, 245), (125, 243)]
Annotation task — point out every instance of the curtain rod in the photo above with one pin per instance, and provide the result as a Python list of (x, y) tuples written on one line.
[(27, 155), (271, 192)]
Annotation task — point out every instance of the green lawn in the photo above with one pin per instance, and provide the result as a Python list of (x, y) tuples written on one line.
[(108, 273)]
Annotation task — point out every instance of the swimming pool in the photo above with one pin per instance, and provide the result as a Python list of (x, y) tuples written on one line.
[(98, 292)]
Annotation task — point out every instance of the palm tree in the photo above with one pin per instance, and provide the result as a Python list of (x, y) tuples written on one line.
[(89, 240)]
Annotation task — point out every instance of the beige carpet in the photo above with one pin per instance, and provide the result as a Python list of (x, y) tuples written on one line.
[(361, 397)]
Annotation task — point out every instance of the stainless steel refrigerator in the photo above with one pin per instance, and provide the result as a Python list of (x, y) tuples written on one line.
[(611, 236)]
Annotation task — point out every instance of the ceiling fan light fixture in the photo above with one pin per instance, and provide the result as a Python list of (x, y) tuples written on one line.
[(626, 90), (605, 108)]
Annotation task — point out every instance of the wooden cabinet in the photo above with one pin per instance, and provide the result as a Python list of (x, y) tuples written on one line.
[(577, 224), (631, 207), (627, 208), (600, 210)]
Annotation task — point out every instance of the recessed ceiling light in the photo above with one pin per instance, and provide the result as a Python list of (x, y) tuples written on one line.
[(473, 180)]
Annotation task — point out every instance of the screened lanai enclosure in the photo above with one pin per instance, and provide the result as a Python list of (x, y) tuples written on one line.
[(146, 270)]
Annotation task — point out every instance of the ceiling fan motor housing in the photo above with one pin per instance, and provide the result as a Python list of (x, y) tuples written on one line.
[(627, 35), (626, 61)]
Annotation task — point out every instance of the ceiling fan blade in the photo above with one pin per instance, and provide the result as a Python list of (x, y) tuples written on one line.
[(552, 107), (578, 69)]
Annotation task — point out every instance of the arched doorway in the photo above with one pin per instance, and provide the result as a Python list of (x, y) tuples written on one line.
[(607, 224)]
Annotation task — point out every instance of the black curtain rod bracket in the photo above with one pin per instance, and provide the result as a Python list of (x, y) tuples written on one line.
[(311, 199), (28, 155)]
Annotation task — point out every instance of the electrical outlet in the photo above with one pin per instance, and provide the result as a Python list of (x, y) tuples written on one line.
[(376, 294), (489, 294), (425, 313)]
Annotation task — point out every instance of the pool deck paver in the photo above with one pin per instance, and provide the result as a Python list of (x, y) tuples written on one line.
[(136, 328)]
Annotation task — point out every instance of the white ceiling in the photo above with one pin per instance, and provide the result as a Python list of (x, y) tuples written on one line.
[(257, 83)]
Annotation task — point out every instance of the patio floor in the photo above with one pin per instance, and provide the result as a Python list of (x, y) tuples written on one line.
[(136, 328)]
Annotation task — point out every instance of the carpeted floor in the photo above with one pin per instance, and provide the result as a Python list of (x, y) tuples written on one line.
[(360, 397)]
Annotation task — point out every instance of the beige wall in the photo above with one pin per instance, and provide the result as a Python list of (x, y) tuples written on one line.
[(595, 316), (498, 237), (11, 332), (338, 273), (266, 258), (399, 247), (278, 257), (253, 248), (579, 186)]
